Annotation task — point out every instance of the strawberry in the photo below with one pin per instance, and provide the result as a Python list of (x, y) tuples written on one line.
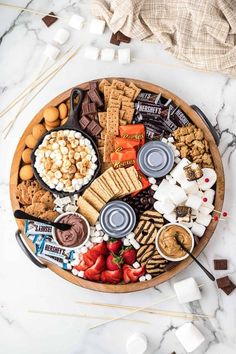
[(114, 245), (101, 248), (114, 262), (94, 272), (90, 257), (129, 255), (82, 266), (131, 274), (111, 276)]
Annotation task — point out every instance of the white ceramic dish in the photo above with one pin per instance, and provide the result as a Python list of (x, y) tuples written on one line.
[(54, 232), (163, 254)]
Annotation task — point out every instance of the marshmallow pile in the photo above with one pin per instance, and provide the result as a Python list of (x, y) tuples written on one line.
[(108, 54), (66, 204), (175, 190), (65, 160)]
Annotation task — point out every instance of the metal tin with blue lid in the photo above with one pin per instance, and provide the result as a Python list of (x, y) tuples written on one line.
[(156, 159), (117, 219)]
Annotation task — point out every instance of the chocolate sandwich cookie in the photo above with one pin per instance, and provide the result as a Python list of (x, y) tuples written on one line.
[(144, 253), (153, 217), (156, 264), (145, 232)]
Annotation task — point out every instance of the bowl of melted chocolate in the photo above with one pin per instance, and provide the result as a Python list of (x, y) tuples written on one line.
[(77, 235)]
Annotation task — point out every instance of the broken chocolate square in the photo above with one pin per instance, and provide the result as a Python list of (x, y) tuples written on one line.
[(49, 19), (228, 289), (94, 128), (84, 122), (223, 282), (95, 97), (122, 37), (114, 39), (220, 264), (88, 108), (93, 85)]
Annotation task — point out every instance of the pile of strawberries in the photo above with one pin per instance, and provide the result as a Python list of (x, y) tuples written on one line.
[(110, 262)]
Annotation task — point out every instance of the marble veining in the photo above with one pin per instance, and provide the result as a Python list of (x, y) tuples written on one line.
[(24, 287)]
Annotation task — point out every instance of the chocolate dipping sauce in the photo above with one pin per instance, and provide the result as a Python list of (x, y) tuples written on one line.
[(76, 235)]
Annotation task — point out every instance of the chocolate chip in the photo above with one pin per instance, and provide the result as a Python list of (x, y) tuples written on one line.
[(49, 20), (220, 264), (114, 40), (223, 282)]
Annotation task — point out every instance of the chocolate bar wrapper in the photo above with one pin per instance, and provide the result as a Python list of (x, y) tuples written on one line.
[(37, 228), (178, 116), (147, 97), (148, 108), (55, 260), (52, 250)]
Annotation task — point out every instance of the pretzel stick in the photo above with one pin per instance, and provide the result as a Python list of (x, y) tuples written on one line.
[(137, 310), (36, 12), (151, 311), (31, 86), (80, 315)]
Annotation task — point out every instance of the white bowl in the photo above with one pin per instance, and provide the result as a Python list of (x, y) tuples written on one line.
[(54, 231), (163, 254)]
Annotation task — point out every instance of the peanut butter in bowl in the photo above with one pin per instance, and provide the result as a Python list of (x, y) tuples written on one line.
[(166, 241)]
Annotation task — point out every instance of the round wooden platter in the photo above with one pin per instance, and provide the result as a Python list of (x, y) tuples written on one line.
[(219, 198)]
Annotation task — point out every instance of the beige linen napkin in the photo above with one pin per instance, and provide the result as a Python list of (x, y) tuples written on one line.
[(201, 33)]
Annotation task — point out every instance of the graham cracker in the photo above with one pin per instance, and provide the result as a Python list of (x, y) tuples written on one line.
[(92, 198), (133, 174), (113, 121), (118, 84), (101, 143), (119, 174), (102, 84), (119, 180), (101, 190), (127, 104), (107, 92), (129, 92), (105, 166), (123, 98), (102, 118), (137, 89), (129, 112), (116, 93), (107, 175), (88, 211), (122, 122), (105, 185), (114, 103), (108, 147), (121, 113), (126, 177)]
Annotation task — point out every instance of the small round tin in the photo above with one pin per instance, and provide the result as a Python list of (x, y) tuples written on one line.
[(117, 219), (155, 159)]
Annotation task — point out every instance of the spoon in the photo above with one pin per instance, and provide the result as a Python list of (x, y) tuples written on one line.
[(211, 276), (20, 214)]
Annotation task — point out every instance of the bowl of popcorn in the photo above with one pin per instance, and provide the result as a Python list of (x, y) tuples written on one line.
[(66, 161)]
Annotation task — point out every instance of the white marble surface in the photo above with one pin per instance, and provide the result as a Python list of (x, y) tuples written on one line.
[(23, 286)]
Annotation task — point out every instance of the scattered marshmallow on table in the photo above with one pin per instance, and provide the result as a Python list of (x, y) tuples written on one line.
[(97, 26), (61, 36), (136, 344), (187, 290), (76, 22), (189, 336), (198, 230), (91, 53), (124, 56), (51, 52), (107, 54)]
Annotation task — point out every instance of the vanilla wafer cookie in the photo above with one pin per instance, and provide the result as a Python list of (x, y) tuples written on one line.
[(145, 232), (153, 217)]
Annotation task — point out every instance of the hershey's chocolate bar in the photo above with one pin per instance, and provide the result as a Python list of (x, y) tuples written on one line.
[(37, 228), (147, 97), (148, 108)]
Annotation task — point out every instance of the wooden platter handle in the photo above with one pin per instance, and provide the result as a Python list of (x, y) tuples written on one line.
[(74, 109), (212, 129), (27, 252)]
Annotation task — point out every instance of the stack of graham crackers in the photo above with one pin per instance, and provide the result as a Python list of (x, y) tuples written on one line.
[(111, 184), (119, 104)]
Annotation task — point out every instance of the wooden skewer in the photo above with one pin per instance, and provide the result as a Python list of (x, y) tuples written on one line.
[(80, 315), (31, 86), (137, 310), (151, 311), (36, 12)]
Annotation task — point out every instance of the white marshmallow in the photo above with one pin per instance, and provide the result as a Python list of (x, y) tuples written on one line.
[(171, 139), (193, 201), (105, 237), (164, 140), (126, 242), (136, 344), (158, 206), (148, 276), (81, 274), (210, 195), (98, 227), (51, 52), (187, 290), (134, 243), (97, 26), (178, 172), (189, 336), (166, 206), (170, 217), (124, 56), (74, 271), (107, 54), (206, 209), (152, 180), (190, 186), (154, 187), (61, 36), (91, 53), (211, 175), (76, 22), (198, 230), (162, 190), (177, 195), (71, 208), (136, 265), (142, 278), (203, 219), (130, 236)]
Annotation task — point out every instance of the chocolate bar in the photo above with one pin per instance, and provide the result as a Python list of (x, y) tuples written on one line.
[(146, 97), (94, 128), (223, 282), (93, 85), (122, 37), (49, 20), (220, 264), (37, 228), (228, 289), (148, 108), (89, 108), (52, 249), (114, 40), (95, 97), (84, 122)]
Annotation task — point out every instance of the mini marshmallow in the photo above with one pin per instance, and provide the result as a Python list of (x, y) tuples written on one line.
[(206, 208), (187, 290), (203, 219), (152, 180), (193, 201), (170, 217), (177, 160), (177, 195), (198, 230), (98, 227), (97, 233), (84, 249), (107, 54), (178, 172), (136, 265), (91, 53), (51, 52), (187, 224), (154, 187), (136, 344), (130, 236), (71, 208), (126, 242), (98, 239), (166, 206), (74, 271), (189, 336), (171, 139), (105, 237), (148, 276), (81, 274), (134, 243), (76, 22), (210, 195), (164, 140), (124, 56), (190, 187), (142, 278), (97, 26), (61, 36), (208, 179)]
